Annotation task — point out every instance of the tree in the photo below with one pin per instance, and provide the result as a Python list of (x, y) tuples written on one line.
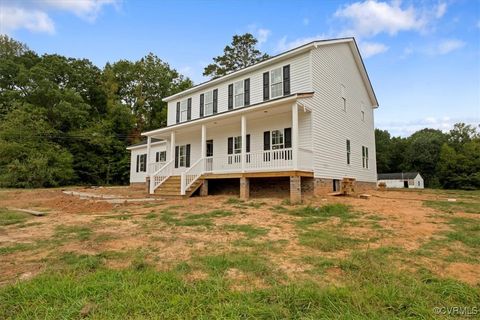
[(240, 54), (28, 155), (423, 154)]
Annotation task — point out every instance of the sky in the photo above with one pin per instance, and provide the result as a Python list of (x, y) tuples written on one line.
[(422, 56)]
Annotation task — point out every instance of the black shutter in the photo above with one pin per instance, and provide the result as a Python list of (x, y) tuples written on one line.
[(286, 80), (144, 162), (246, 91), (288, 137), (178, 112), (230, 96), (187, 156), (176, 157), (230, 145), (215, 101), (201, 105), (157, 157), (248, 143), (266, 140), (138, 161), (266, 79), (189, 108)]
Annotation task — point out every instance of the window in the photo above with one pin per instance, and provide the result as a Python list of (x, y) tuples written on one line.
[(142, 162), (239, 94), (344, 97), (209, 148), (237, 144), (208, 103), (183, 110), (161, 156), (276, 83), (182, 156), (365, 157), (277, 139), (348, 151)]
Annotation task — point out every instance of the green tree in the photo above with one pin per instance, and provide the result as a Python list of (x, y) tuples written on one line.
[(28, 155), (423, 154), (240, 54)]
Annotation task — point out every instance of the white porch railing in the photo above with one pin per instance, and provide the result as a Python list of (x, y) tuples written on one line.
[(155, 166), (191, 175), (254, 161), (162, 174)]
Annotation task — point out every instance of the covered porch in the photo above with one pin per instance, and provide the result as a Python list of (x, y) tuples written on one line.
[(273, 138)]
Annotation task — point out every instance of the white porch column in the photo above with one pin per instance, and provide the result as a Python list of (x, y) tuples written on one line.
[(244, 141), (147, 169), (203, 141), (172, 146), (295, 135)]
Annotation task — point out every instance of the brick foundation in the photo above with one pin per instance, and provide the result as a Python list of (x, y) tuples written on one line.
[(295, 189), (244, 188), (204, 189)]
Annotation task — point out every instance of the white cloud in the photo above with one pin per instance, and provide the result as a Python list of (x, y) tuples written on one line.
[(33, 15), (369, 49), (369, 18), (306, 21), (441, 10), (447, 46), (33, 20), (262, 35)]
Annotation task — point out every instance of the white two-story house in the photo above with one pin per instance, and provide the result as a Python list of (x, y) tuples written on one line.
[(304, 116)]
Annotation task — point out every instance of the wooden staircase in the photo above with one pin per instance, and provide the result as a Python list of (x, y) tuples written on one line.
[(171, 188)]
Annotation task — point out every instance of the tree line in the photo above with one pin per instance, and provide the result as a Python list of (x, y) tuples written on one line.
[(66, 121), (445, 160)]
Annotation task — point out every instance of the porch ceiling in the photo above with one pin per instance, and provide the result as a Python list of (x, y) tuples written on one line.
[(233, 117)]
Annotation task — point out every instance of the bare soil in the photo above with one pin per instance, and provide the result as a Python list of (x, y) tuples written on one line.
[(401, 219)]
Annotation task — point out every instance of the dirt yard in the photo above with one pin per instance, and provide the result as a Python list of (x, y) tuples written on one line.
[(318, 241)]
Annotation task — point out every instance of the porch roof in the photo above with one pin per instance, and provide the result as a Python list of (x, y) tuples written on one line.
[(230, 113)]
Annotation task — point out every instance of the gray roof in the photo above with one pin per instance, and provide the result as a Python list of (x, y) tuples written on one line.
[(398, 175), (144, 142)]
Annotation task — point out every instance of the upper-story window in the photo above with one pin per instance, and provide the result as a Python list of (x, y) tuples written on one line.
[(183, 110), (239, 94), (276, 89), (208, 103), (276, 83)]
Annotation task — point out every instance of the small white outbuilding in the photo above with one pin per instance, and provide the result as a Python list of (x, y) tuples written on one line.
[(411, 180)]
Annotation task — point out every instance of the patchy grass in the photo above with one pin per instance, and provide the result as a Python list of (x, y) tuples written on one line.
[(16, 247), (466, 231), (65, 232), (247, 229), (10, 217), (327, 240), (451, 207), (193, 220)]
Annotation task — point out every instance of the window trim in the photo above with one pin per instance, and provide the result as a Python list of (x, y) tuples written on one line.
[(271, 84), (365, 157), (237, 141), (142, 162), (206, 103), (241, 94), (182, 157), (183, 112), (279, 145)]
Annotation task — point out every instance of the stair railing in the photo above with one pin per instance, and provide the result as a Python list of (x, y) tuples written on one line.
[(160, 176), (191, 175)]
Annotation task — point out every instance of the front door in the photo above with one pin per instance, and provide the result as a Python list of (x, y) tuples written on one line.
[(209, 155)]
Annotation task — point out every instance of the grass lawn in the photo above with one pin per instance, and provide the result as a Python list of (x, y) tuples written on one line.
[(222, 258)]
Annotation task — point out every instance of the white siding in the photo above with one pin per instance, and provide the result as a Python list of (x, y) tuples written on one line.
[(332, 67), (141, 176), (299, 82)]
